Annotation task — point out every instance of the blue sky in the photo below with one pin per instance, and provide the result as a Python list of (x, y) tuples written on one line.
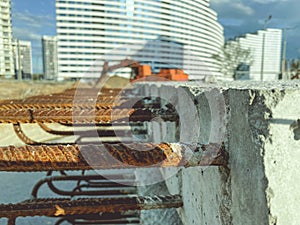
[(244, 16), (31, 20), (34, 18)]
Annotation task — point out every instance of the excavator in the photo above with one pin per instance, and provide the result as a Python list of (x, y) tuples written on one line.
[(144, 73), (141, 72)]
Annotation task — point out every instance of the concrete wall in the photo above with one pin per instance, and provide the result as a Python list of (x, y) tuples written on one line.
[(259, 125)]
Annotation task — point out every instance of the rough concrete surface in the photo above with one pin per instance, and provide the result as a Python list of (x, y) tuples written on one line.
[(260, 126), (263, 157), (158, 216), (281, 160)]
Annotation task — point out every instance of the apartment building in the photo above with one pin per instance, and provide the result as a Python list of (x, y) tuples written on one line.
[(6, 56), (22, 55), (49, 46), (181, 33), (265, 47)]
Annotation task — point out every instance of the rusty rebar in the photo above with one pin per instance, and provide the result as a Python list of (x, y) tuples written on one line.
[(64, 105), (81, 103), (100, 185), (63, 207), (69, 96), (109, 156), (91, 132), (54, 103), (22, 136), (130, 217), (82, 116), (64, 115)]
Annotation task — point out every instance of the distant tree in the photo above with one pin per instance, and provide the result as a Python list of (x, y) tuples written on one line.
[(231, 56), (295, 69)]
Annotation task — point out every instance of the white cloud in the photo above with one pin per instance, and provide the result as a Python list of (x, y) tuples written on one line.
[(235, 6), (30, 20), (25, 34), (243, 16), (30, 27), (269, 1), (232, 7), (243, 8)]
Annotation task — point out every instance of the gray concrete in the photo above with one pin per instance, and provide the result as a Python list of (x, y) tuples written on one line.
[(158, 216), (259, 124)]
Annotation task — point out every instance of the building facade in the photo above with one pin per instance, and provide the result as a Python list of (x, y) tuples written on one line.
[(49, 46), (165, 33), (265, 47), (6, 56), (22, 55)]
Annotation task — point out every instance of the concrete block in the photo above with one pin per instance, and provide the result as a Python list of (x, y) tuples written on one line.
[(159, 216), (262, 136), (204, 197), (263, 155)]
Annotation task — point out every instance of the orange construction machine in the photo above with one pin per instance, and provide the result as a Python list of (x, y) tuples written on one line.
[(141, 72), (144, 72)]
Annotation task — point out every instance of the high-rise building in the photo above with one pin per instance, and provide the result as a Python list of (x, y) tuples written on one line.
[(6, 56), (22, 59), (49, 45), (265, 48), (183, 33)]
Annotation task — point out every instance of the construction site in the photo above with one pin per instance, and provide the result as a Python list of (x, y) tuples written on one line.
[(150, 151)]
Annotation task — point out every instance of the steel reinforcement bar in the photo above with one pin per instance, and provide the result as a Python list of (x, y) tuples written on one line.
[(59, 99), (64, 207), (83, 103), (109, 156), (55, 103), (80, 116), (70, 93), (59, 105), (60, 116), (84, 93)]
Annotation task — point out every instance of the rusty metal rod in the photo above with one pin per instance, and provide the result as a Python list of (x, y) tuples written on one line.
[(109, 217), (92, 132), (101, 125), (64, 105), (59, 99), (98, 220), (86, 116), (27, 140), (11, 221), (64, 207), (115, 134), (63, 115), (104, 102), (22, 136), (100, 192), (77, 93), (93, 181), (71, 94), (109, 156)]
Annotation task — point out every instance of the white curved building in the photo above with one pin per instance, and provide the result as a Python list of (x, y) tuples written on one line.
[(183, 33)]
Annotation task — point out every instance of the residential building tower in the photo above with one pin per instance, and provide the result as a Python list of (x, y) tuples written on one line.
[(22, 55), (164, 33), (6, 56), (265, 48), (49, 46)]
